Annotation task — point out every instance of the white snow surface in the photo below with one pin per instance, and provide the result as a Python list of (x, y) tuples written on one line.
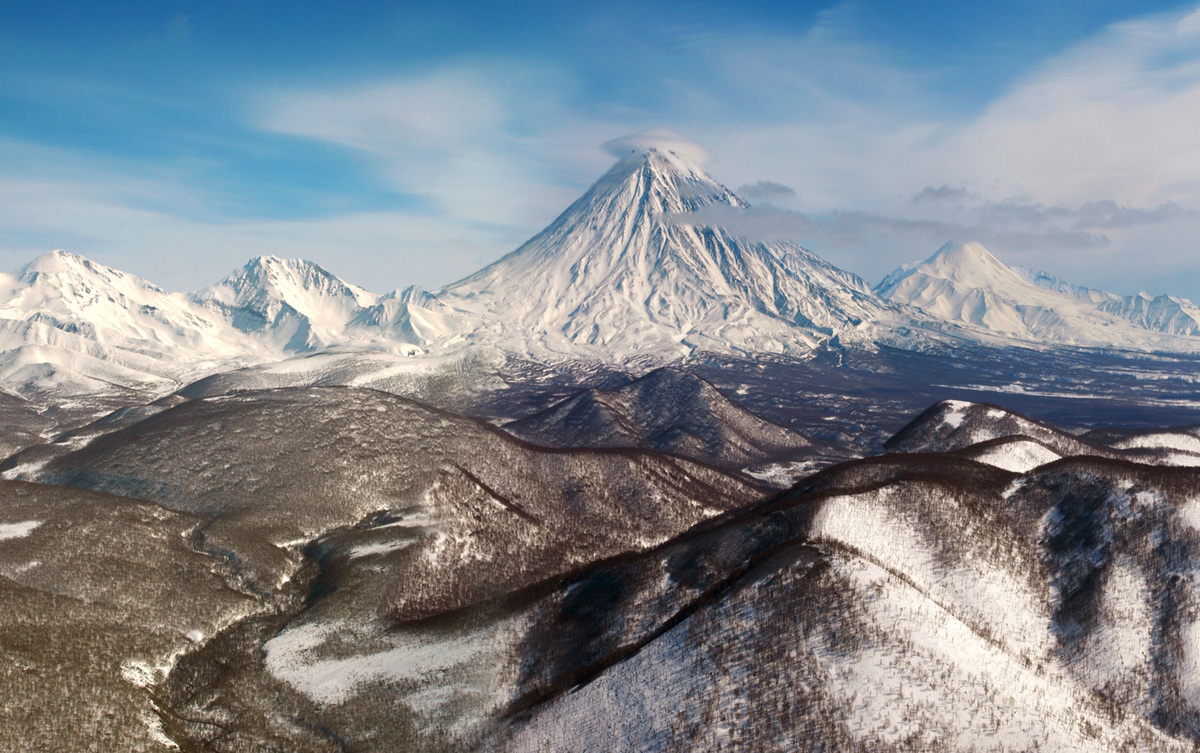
[(1167, 440), (69, 325), (879, 531), (955, 412), (18, 530), (296, 304), (458, 678), (1019, 455), (1161, 313)]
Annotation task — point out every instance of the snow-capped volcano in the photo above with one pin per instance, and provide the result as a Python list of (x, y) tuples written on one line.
[(965, 283), (629, 270)]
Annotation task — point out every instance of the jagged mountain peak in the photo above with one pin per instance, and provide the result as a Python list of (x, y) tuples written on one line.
[(72, 324), (415, 294), (267, 281), (284, 277), (297, 302)]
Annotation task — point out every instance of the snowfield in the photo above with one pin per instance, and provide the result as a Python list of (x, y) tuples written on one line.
[(18, 530)]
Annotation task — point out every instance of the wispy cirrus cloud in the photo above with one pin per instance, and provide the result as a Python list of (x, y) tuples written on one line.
[(475, 140)]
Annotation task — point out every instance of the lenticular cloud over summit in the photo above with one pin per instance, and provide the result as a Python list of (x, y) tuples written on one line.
[(662, 139)]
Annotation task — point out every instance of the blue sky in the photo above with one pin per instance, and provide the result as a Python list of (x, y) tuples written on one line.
[(397, 144)]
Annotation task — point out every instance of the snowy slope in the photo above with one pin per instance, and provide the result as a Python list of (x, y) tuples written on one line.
[(296, 306), (1162, 313), (623, 273), (412, 316), (965, 283), (71, 326), (898, 603)]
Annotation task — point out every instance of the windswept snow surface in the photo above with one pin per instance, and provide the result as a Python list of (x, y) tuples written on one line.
[(1017, 455), (68, 324)]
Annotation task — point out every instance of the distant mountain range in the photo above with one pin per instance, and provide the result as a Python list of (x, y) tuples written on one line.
[(964, 282), (630, 274)]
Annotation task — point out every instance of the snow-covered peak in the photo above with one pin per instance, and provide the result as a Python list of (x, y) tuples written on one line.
[(1050, 282), (963, 281), (651, 181), (416, 295), (65, 314), (61, 283), (295, 281), (296, 302), (1162, 313), (60, 262), (687, 155), (77, 276), (968, 262)]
